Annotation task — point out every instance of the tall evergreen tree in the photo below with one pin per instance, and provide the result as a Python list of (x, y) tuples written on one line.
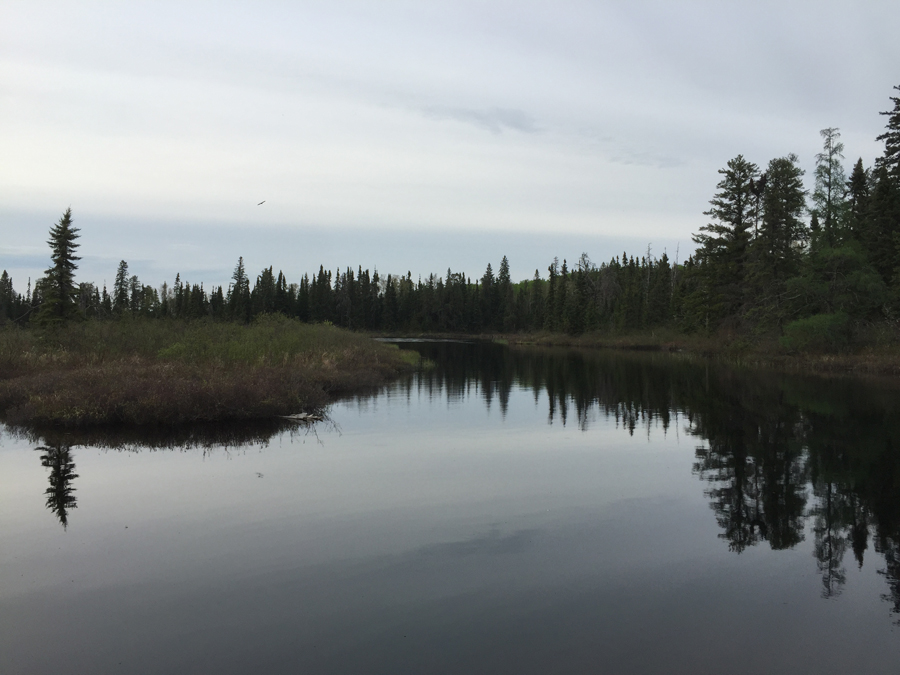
[(891, 157), (60, 301), (135, 294), (506, 310), (782, 234), (722, 244), (885, 205), (883, 224), (776, 250), (121, 288), (829, 194), (857, 200), (239, 297), (7, 298)]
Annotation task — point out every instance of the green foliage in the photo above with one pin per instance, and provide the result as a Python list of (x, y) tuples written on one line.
[(817, 333), (837, 280)]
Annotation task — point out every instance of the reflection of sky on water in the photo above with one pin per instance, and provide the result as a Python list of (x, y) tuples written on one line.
[(421, 533)]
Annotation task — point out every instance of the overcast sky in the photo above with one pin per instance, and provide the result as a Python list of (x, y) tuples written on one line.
[(410, 135)]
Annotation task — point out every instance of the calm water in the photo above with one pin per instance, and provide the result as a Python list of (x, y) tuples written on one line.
[(532, 511)]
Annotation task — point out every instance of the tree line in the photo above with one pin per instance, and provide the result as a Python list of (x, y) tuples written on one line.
[(773, 257)]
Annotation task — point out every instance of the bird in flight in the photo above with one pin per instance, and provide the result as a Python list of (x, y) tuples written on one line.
[(262, 202)]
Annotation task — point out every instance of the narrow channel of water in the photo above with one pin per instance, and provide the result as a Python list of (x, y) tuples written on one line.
[(508, 511)]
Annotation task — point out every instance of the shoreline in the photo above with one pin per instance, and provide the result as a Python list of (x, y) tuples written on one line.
[(164, 374), (882, 361)]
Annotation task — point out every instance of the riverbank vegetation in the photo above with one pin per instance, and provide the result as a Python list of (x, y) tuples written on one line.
[(136, 371)]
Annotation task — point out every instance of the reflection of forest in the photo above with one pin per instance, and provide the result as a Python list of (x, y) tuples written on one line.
[(779, 453), (782, 453)]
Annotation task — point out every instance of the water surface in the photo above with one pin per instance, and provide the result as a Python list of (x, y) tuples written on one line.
[(509, 511)]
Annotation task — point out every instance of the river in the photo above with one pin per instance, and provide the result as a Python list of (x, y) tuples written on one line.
[(509, 510)]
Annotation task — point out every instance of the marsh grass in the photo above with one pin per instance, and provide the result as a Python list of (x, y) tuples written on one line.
[(173, 372)]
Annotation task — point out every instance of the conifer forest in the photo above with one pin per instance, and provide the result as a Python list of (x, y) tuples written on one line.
[(807, 258)]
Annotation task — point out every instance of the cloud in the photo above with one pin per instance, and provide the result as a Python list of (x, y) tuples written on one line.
[(494, 120)]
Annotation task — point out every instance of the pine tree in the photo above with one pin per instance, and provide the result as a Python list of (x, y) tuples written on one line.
[(857, 200), (239, 298), (536, 304), (775, 253), (506, 309), (782, 234), (551, 300), (60, 302), (891, 158), (722, 245), (262, 298), (883, 224), (7, 298), (885, 205), (106, 302), (121, 288), (829, 194), (136, 294)]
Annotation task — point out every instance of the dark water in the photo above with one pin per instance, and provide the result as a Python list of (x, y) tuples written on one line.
[(510, 511)]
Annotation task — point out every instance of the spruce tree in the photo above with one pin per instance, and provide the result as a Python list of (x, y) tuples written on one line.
[(782, 234), (7, 298), (883, 224), (135, 294), (121, 288), (857, 200), (891, 158), (885, 205), (239, 296), (506, 309), (59, 301), (722, 244), (775, 253)]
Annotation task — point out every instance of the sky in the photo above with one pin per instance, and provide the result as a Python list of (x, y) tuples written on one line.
[(410, 136)]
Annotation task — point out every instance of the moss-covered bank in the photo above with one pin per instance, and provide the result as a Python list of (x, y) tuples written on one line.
[(172, 372)]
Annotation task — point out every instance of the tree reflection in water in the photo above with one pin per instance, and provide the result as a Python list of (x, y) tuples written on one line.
[(60, 494), (57, 449), (781, 455)]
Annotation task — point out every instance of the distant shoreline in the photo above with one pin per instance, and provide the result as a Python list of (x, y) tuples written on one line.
[(882, 360)]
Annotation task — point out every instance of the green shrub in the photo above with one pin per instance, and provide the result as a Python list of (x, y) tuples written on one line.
[(817, 333)]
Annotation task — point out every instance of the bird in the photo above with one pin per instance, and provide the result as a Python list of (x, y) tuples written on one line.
[(262, 202)]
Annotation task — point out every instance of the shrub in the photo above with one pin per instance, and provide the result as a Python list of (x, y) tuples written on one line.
[(817, 333)]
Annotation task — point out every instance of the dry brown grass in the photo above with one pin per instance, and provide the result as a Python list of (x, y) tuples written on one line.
[(156, 372)]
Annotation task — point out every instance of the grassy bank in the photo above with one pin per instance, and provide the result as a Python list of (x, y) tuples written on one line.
[(172, 372), (867, 352)]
